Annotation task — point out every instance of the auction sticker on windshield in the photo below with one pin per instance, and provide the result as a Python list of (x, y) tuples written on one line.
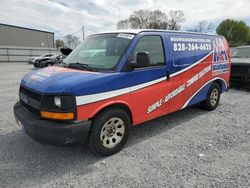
[(124, 35)]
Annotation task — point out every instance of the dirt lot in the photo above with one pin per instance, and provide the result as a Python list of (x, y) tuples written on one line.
[(190, 148)]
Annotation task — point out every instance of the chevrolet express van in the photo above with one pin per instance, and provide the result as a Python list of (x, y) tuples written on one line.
[(116, 80)]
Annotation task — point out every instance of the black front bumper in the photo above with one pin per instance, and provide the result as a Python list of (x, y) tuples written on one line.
[(240, 79), (240, 73), (51, 132)]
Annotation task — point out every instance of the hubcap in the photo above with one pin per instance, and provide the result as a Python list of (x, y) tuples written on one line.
[(112, 132), (214, 97)]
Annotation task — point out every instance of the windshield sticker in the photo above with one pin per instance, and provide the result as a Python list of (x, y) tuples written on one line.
[(126, 36)]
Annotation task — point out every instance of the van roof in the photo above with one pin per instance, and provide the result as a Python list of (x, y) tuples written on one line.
[(136, 31)]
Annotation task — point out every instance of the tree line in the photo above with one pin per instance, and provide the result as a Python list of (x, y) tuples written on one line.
[(70, 41), (147, 19), (236, 32)]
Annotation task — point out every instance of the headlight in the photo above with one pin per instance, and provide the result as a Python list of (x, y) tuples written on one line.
[(60, 107), (57, 102)]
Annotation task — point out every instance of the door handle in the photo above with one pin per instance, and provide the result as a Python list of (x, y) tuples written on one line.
[(168, 75)]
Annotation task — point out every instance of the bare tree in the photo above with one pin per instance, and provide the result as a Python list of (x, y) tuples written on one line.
[(204, 27), (146, 19), (71, 41), (123, 24), (140, 19), (158, 20), (176, 17)]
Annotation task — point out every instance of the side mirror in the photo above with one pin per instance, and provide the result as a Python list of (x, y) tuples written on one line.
[(142, 60), (65, 51)]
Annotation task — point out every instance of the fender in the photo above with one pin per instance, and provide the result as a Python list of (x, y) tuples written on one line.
[(101, 105)]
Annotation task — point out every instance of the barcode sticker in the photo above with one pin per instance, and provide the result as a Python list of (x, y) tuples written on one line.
[(124, 35)]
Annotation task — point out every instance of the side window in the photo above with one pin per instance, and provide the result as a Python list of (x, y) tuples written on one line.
[(152, 45)]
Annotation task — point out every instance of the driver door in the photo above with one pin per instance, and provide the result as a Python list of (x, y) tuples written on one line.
[(148, 93)]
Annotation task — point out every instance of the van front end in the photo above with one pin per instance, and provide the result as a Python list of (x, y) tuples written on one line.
[(50, 119)]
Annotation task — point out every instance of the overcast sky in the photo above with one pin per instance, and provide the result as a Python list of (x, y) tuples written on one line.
[(67, 16)]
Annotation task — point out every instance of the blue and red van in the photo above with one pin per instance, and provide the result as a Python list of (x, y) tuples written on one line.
[(116, 80)]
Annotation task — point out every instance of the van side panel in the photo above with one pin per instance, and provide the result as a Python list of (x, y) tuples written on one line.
[(189, 82), (198, 60), (194, 61), (146, 86)]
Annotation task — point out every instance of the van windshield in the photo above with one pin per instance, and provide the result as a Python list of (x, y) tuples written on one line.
[(101, 52)]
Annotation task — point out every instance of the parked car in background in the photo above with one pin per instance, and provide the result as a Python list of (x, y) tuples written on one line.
[(33, 59), (46, 62), (240, 69), (55, 59), (232, 50), (39, 60)]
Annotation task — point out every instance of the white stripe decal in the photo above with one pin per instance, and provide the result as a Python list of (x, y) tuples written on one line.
[(86, 99), (186, 103)]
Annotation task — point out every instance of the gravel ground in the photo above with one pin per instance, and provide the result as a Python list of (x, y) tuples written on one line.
[(190, 148)]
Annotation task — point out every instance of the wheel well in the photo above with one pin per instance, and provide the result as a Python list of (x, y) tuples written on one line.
[(118, 105), (220, 83)]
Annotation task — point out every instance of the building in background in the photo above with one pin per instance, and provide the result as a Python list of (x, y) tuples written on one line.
[(18, 44)]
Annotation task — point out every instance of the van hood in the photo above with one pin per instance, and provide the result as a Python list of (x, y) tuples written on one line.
[(242, 61), (55, 80)]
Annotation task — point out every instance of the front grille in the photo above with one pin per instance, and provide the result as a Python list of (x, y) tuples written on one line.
[(239, 69), (31, 109), (31, 94), (30, 100)]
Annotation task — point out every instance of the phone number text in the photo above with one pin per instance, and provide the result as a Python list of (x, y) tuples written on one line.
[(180, 47)]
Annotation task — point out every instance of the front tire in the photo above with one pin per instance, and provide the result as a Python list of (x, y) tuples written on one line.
[(109, 132), (213, 97)]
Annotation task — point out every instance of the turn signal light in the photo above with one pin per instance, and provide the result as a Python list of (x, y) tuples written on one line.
[(57, 115)]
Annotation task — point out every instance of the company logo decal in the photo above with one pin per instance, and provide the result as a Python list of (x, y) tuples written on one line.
[(220, 58)]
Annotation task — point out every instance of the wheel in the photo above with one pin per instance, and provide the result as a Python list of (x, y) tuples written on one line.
[(109, 132), (213, 97)]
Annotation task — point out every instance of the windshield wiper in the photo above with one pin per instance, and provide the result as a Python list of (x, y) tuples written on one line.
[(81, 66)]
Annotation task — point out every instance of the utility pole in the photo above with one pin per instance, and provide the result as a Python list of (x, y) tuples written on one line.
[(83, 35)]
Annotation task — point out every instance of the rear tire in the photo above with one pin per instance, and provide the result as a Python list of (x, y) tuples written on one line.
[(109, 132), (213, 97)]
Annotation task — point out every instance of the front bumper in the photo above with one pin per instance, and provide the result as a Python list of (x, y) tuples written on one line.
[(240, 73), (240, 79), (51, 132)]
